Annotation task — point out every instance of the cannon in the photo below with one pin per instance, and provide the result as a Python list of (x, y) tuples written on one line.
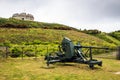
[(68, 52)]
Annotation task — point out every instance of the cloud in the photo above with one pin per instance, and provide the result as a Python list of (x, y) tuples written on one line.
[(89, 14)]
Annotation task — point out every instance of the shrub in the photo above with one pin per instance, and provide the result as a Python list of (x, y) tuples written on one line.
[(15, 52)]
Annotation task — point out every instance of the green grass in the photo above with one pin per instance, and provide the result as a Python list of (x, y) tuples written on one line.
[(19, 36), (108, 38), (30, 33), (112, 37), (31, 69), (47, 37), (115, 34), (15, 23)]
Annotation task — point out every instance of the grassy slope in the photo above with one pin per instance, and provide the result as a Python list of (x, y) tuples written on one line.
[(30, 32), (29, 69), (115, 34), (28, 35), (14, 23), (19, 36), (113, 37), (108, 38)]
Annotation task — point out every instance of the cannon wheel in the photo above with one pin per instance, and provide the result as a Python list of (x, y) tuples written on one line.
[(47, 57), (91, 66)]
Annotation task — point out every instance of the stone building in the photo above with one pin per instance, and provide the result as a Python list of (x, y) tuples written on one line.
[(23, 16)]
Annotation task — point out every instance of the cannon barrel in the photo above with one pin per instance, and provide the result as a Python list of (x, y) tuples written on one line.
[(93, 47), (90, 48)]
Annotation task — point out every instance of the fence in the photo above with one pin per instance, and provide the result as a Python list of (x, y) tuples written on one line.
[(33, 51), (26, 51)]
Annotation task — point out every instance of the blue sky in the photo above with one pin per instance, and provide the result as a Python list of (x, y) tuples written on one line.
[(103, 15)]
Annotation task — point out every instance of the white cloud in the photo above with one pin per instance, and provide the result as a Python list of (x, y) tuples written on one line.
[(90, 14)]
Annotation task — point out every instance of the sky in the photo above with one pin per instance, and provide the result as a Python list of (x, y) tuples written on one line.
[(103, 15)]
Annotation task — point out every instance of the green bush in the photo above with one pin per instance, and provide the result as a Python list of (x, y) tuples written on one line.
[(15, 52)]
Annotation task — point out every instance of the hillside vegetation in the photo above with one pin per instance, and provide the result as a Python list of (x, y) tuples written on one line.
[(14, 23), (113, 37), (115, 34), (29, 34)]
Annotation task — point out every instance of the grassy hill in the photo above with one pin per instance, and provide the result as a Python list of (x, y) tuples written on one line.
[(17, 33), (115, 34), (113, 37), (20, 36), (14, 23), (108, 38), (37, 38)]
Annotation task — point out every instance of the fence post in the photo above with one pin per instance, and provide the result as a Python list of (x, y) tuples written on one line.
[(6, 54), (35, 52), (47, 50), (22, 53), (118, 54)]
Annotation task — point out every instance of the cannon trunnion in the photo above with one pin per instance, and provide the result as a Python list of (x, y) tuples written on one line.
[(68, 52)]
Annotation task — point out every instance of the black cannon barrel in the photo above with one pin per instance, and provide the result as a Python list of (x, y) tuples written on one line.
[(93, 47), (90, 48)]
